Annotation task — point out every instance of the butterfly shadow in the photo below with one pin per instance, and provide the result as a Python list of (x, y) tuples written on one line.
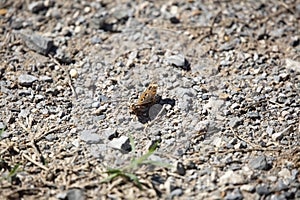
[(151, 112)]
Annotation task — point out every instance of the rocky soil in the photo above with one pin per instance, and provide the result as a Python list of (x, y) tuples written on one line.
[(227, 118)]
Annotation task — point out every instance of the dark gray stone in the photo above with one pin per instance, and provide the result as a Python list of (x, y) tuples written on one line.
[(36, 7), (260, 163), (180, 169), (36, 42), (26, 80), (262, 190)]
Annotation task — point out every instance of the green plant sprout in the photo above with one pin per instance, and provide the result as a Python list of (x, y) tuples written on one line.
[(11, 173), (127, 171)]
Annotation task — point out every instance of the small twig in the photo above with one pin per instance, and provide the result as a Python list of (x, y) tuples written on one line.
[(34, 162), (40, 137), (243, 139), (32, 142), (23, 190), (68, 76), (71, 86), (235, 150)]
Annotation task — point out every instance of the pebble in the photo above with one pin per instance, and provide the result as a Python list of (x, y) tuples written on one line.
[(279, 135), (96, 40), (234, 195), (235, 106), (73, 73), (46, 79), (231, 177), (121, 143), (180, 169), (61, 195), (285, 173), (248, 188), (229, 45), (76, 194), (235, 122), (262, 189), (259, 162), (270, 130), (36, 7), (253, 115), (24, 113), (178, 61), (97, 150), (285, 113), (76, 143), (24, 92), (292, 64), (26, 80), (272, 178), (97, 105), (280, 186), (176, 192), (110, 133), (51, 137), (36, 42), (90, 138)]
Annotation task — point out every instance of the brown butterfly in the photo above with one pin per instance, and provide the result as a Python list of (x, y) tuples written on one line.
[(147, 99)]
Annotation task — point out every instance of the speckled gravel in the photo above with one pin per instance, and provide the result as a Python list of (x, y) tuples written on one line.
[(228, 109)]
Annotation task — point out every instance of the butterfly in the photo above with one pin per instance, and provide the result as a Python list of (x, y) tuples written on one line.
[(147, 99)]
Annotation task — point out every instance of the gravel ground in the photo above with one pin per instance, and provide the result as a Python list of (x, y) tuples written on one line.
[(227, 111)]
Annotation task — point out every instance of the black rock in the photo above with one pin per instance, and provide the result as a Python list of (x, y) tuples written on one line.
[(174, 20), (180, 169)]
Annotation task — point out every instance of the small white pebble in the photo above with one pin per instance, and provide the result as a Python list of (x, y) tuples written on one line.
[(73, 73), (77, 29), (87, 9)]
